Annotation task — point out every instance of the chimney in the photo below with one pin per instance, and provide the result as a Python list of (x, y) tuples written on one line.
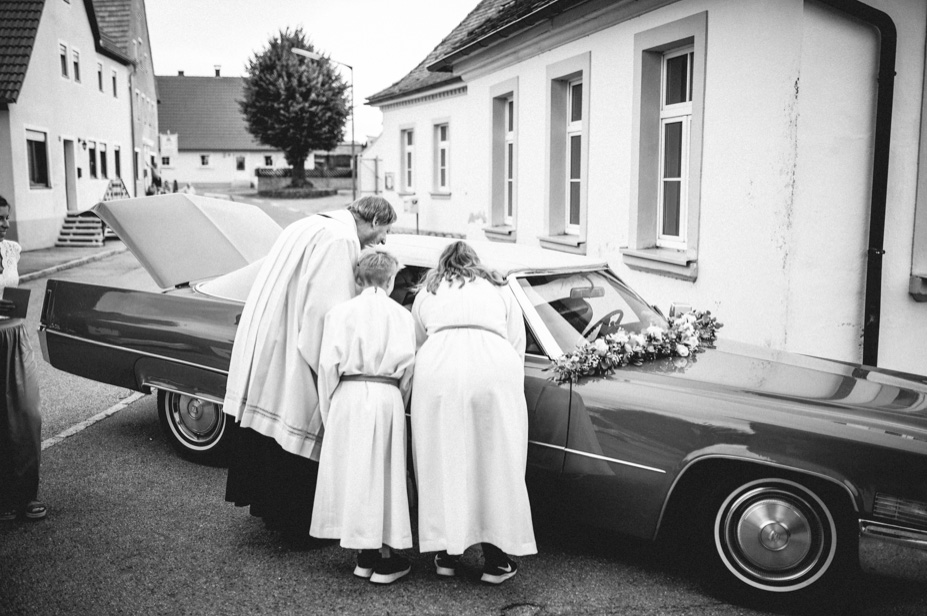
[(180, 73), (217, 67)]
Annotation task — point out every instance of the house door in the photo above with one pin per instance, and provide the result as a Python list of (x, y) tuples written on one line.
[(70, 175)]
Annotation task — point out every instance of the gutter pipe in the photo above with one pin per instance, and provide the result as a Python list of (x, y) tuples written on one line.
[(888, 38)]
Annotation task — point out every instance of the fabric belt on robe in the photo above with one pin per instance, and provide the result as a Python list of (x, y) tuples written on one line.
[(371, 378), (485, 329)]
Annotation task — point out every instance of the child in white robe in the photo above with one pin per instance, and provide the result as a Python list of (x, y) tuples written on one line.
[(365, 373)]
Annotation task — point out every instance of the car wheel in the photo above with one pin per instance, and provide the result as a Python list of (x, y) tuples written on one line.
[(198, 429), (775, 535)]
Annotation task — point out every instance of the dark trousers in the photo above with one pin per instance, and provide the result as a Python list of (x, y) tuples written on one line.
[(20, 421)]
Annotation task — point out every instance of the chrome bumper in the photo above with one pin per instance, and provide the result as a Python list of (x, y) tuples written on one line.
[(893, 551)]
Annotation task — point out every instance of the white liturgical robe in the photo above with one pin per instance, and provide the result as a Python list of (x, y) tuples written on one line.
[(271, 387), (361, 496), (470, 420)]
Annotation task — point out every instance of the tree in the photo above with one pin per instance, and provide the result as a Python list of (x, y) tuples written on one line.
[(294, 104)]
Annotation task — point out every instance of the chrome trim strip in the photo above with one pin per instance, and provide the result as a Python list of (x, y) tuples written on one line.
[(597, 456), (894, 551), (137, 352), (199, 396)]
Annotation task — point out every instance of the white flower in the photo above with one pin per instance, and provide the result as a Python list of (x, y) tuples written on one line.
[(637, 340), (619, 337), (655, 331), (600, 346), (682, 350)]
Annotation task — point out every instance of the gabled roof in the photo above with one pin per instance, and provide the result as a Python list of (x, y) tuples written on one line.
[(422, 79), (508, 18), (489, 22), (204, 113), (19, 23), (115, 19)]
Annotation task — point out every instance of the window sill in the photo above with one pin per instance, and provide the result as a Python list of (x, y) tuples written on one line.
[(404, 193), (440, 195), (564, 243), (672, 263), (500, 233)]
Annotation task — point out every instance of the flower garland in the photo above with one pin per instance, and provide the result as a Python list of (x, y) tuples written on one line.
[(688, 334)]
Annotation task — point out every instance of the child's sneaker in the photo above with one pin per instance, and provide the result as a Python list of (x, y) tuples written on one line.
[(388, 570), (496, 574), (446, 565), (366, 561)]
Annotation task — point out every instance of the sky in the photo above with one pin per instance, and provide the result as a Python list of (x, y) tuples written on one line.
[(381, 39)]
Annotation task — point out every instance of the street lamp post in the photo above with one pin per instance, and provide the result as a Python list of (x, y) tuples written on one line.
[(318, 58)]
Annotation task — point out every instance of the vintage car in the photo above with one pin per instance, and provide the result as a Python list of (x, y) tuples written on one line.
[(787, 470)]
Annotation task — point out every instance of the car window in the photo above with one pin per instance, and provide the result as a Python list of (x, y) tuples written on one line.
[(581, 306), (406, 282)]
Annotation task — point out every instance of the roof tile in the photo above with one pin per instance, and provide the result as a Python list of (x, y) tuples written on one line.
[(204, 112), (19, 23)]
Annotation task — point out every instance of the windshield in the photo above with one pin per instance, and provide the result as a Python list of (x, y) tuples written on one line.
[(581, 306)]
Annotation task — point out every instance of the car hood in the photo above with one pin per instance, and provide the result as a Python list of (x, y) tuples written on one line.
[(180, 238), (780, 384)]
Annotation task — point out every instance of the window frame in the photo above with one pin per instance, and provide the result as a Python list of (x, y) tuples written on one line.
[(204, 160), (560, 236), (39, 175), (649, 249), (117, 161), (407, 160), (104, 166), (503, 197), (268, 161), (64, 60), (574, 130), (674, 113), (442, 183), (115, 82), (75, 64), (92, 169), (100, 85)]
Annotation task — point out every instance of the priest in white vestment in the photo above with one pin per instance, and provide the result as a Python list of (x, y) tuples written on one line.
[(470, 418), (365, 374), (271, 387)]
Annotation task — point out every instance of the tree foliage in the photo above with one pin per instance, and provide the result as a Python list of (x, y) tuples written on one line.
[(293, 103)]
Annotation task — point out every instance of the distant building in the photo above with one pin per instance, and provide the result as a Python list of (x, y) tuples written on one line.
[(126, 22), (205, 139), (76, 95), (764, 160)]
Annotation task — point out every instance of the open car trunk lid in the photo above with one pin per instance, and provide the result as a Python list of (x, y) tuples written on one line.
[(180, 238)]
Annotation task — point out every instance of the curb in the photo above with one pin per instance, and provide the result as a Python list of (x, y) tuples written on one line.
[(63, 266)]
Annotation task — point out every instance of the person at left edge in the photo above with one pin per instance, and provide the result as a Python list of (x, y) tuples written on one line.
[(271, 390), (20, 419)]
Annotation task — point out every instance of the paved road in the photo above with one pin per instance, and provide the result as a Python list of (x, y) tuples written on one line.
[(134, 529)]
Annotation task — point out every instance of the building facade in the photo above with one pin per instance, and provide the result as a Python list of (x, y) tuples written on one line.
[(738, 157), (126, 23)]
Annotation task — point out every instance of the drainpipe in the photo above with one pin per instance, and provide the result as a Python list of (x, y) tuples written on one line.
[(888, 38)]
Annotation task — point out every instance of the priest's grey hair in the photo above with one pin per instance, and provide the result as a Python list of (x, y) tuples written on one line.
[(373, 209)]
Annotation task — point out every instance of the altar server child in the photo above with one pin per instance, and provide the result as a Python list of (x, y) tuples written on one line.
[(365, 373)]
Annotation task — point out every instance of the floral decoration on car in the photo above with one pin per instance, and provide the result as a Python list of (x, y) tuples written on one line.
[(688, 334)]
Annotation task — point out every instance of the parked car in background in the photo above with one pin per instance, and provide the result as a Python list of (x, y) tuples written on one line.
[(786, 471)]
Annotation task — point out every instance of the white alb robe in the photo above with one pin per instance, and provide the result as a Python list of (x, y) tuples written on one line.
[(470, 420), (271, 387), (361, 495)]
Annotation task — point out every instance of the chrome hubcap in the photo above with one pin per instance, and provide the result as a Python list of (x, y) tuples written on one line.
[(773, 535), (196, 420)]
